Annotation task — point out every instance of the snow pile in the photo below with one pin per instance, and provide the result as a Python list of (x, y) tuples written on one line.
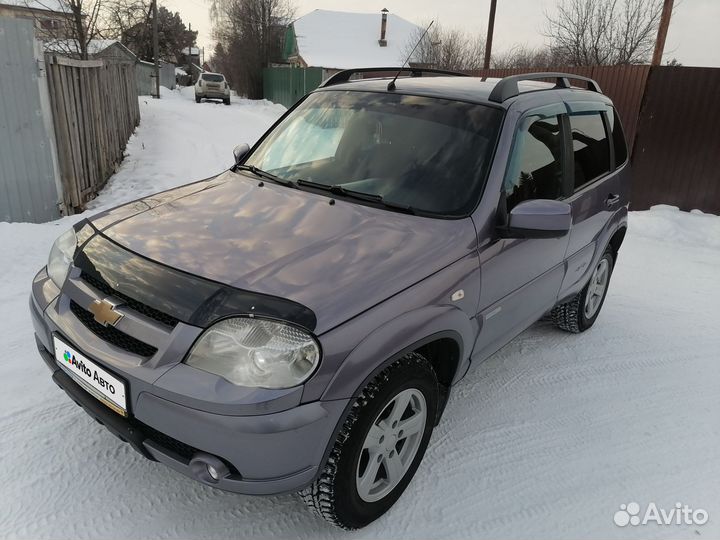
[(342, 40), (667, 223), (546, 439)]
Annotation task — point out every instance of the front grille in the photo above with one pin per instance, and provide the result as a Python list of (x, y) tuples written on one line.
[(111, 334), (144, 309)]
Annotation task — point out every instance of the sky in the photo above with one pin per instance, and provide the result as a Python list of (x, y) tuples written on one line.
[(693, 37)]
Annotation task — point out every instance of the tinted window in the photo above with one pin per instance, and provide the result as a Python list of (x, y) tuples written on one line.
[(429, 154), (212, 77), (536, 168), (618, 137), (590, 147)]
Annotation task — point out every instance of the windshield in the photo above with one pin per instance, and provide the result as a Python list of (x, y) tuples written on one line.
[(213, 77), (431, 155)]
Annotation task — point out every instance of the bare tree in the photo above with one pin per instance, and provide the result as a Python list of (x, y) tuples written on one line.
[(250, 36), (123, 17), (83, 25), (603, 32), (522, 56), (446, 48)]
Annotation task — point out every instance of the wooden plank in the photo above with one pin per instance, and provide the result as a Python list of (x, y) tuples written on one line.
[(61, 134), (72, 62), (67, 98)]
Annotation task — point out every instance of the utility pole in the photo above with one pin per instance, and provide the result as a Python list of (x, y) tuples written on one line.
[(156, 47), (491, 27), (662, 32)]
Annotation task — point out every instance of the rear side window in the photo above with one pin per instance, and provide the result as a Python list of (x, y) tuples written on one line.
[(536, 167), (591, 148), (618, 137)]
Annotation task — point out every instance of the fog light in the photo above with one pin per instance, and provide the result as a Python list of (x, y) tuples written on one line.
[(213, 472), (208, 468)]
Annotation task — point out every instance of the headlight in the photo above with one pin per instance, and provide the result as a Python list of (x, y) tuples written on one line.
[(61, 256), (256, 352)]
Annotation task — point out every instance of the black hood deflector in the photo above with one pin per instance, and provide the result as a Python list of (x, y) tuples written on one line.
[(188, 298)]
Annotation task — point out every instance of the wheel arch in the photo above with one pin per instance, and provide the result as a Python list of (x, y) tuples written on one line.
[(616, 240), (447, 341), (444, 333)]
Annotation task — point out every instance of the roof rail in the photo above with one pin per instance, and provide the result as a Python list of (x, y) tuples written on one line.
[(508, 86), (344, 76)]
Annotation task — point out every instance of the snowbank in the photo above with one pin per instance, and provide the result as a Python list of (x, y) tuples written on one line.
[(667, 223)]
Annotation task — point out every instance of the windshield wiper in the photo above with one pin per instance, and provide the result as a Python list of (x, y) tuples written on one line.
[(266, 175), (350, 193)]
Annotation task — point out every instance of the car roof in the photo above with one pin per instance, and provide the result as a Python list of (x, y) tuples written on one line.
[(471, 89), (211, 73)]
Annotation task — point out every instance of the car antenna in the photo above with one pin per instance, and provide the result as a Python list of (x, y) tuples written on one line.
[(391, 84)]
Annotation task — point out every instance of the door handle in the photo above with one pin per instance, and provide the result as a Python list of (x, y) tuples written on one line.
[(612, 199)]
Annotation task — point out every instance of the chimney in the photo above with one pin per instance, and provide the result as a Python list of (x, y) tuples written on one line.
[(383, 29)]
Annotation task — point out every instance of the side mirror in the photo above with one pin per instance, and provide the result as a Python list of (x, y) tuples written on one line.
[(240, 151), (538, 218)]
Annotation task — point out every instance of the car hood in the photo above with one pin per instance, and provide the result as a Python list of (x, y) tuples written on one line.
[(336, 259)]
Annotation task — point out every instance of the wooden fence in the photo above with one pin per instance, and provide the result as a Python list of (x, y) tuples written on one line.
[(95, 110)]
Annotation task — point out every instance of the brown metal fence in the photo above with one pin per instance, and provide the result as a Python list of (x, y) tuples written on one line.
[(95, 110), (623, 84), (677, 150), (671, 117)]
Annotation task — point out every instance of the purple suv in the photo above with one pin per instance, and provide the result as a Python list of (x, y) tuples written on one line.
[(296, 323)]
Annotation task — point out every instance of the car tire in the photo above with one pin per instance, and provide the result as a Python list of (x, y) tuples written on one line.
[(226, 101), (580, 313), (355, 487), (198, 99)]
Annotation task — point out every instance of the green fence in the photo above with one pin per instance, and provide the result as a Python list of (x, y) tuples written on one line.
[(286, 85)]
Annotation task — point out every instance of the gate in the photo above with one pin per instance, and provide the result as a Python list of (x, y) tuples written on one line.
[(286, 85), (678, 142), (29, 189)]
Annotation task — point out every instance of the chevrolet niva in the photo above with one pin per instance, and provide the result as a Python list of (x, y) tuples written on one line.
[(297, 322)]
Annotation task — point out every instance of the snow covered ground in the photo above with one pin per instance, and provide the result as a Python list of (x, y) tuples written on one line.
[(546, 439)]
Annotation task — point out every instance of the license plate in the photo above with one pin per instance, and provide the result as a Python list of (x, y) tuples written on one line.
[(97, 381)]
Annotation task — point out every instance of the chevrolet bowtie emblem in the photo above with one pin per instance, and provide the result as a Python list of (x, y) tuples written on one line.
[(104, 312)]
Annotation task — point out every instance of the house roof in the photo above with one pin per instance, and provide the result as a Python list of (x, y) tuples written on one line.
[(94, 47), (46, 5), (338, 39)]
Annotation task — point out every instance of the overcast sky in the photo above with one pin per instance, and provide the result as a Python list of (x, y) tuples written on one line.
[(694, 36)]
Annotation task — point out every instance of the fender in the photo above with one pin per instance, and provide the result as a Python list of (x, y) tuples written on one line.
[(359, 365), (395, 339)]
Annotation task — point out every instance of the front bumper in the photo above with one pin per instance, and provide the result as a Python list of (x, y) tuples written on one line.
[(266, 454)]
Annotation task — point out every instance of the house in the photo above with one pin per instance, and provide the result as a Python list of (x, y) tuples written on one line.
[(324, 42), (335, 40), (189, 59), (52, 18)]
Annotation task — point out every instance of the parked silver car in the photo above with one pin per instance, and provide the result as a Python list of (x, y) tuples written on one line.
[(297, 322), (212, 86)]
